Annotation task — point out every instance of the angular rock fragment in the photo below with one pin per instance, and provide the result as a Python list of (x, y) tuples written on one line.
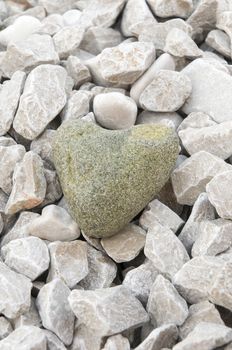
[(5, 327), (77, 106), (173, 8), (165, 250), (85, 337), (53, 191), (68, 262), (220, 42), (9, 97), (28, 256), (167, 92), (117, 342), (224, 22), (29, 184), (42, 101), (52, 24), (77, 70), (67, 40), (219, 192), (42, 146), (53, 342), (165, 305), (103, 310), (102, 270), (200, 312), (27, 54), (214, 237), (126, 244), (15, 292), (197, 120), (25, 337), (55, 224), (157, 211), (171, 119), (54, 310), (29, 318), (191, 177), (206, 336)]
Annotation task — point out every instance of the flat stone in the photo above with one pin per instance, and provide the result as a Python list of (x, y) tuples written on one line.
[(171, 119), (200, 312), (96, 39), (78, 71), (192, 176), (126, 245), (214, 139), (77, 106), (29, 184), (117, 342), (68, 262), (39, 106), (214, 237), (135, 11), (84, 337), (202, 210), (5, 327), (165, 61), (123, 64), (21, 29), (67, 40), (102, 270), (15, 292), (180, 44), (103, 310), (27, 54), (9, 97), (29, 318), (140, 280), (219, 41), (66, 228), (165, 250), (85, 143), (206, 336), (28, 256), (54, 310), (157, 211), (174, 8), (115, 110), (25, 338), (11, 154), (20, 228), (167, 92), (165, 305), (219, 192), (208, 82)]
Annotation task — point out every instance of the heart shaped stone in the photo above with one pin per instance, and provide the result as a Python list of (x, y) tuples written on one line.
[(108, 176)]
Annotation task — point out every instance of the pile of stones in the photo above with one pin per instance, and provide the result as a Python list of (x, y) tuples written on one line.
[(115, 174)]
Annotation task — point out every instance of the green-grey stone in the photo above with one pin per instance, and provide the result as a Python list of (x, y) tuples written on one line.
[(108, 176)]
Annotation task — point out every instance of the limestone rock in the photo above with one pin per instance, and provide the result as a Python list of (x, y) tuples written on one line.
[(173, 8), (165, 61), (15, 292), (9, 97), (67, 40), (52, 24), (42, 99), (220, 42), (115, 111), (29, 318), (103, 310), (140, 280), (214, 237), (200, 312), (26, 337), (53, 342), (55, 224), (224, 22), (29, 184), (84, 337), (167, 92), (43, 147), (77, 70), (197, 120), (191, 177), (5, 327), (171, 119), (97, 39), (165, 305), (68, 262), (165, 250), (206, 336), (219, 192), (71, 17), (102, 270), (157, 211), (126, 245), (98, 215), (207, 84), (41, 50), (117, 342), (180, 44), (202, 210), (77, 106), (56, 6), (54, 310), (166, 335)]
